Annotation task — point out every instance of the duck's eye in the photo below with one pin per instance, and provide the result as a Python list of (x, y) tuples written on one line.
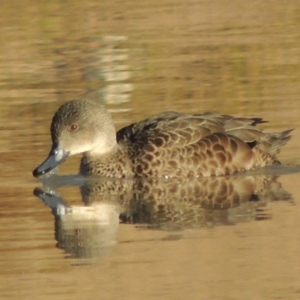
[(73, 127)]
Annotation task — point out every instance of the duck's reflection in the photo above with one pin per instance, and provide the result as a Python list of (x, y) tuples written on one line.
[(83, 231), (167, 204)]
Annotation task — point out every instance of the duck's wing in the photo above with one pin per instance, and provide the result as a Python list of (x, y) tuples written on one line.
[(199, 145), (172, 128)]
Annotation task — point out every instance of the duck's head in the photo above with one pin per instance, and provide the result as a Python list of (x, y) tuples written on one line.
[(78, 126)]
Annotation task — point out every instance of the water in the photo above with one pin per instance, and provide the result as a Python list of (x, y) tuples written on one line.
[(141, 58)]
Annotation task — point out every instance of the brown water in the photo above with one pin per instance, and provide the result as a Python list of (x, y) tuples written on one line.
[(141, 58)]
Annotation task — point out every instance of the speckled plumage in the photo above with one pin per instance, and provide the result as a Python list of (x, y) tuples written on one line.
[(168, 144)]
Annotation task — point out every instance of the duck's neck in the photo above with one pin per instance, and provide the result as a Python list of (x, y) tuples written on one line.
[(114, 163)]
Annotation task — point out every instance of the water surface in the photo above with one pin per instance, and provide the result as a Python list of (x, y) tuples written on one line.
[(140, 58)]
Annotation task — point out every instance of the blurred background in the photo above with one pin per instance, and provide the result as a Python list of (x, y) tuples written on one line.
[(140, 58)]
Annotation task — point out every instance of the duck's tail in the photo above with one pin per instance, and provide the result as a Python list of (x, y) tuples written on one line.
[(267, 146), (273, 142)]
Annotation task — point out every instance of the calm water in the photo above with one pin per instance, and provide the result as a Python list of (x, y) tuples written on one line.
[(141, 58)]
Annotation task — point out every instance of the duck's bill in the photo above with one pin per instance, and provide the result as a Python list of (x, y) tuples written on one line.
[(56, 156)]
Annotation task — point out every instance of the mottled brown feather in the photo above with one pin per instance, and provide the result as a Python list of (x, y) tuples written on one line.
[(218, 145)]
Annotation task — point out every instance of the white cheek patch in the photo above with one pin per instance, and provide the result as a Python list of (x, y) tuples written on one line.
[(80, 148), (96, 145), (102, 147)]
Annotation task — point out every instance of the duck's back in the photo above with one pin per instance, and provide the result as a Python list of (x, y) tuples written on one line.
[(174, 144)]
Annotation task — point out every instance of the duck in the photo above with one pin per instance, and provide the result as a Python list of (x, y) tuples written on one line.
[(168, 144)]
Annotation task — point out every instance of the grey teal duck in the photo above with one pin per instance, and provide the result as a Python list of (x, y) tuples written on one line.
[(169, 144)]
